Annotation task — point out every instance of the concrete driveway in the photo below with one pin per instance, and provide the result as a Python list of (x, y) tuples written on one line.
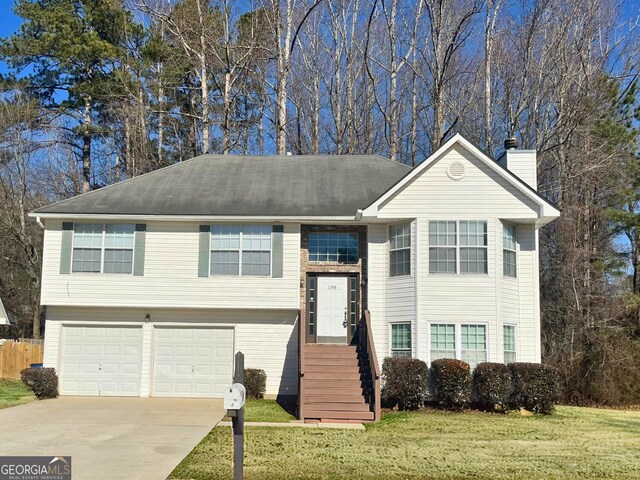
[(110, 438)]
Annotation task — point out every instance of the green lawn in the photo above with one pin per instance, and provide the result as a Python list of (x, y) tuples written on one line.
[(14, 392), (265, 411), (574, 443)]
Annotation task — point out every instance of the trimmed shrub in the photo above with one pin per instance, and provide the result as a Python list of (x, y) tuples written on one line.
[(404, 383), (255, 382), (43, 381), (535, 387), (491, 383), (451, 383)]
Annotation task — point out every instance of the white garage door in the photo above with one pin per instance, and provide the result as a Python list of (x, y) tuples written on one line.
[(192, 362), (101, 361)]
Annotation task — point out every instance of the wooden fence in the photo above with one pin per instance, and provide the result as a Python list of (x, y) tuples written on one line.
[(15, 356)]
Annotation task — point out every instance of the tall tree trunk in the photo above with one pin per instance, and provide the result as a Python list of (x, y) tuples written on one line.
[(86, 146), (226, 101)]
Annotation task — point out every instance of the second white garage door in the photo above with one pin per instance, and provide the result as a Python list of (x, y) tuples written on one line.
[(192, 362)]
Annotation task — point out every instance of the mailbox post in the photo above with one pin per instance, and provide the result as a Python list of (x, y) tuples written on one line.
[(234, 398)]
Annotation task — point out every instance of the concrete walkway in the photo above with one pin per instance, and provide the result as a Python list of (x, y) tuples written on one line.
[(110, 438)]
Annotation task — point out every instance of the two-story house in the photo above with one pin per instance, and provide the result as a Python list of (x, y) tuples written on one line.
[(315, 267)]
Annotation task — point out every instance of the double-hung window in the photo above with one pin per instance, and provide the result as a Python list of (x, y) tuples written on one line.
[(443, 341), (509, 343), (509, 244), (473, 347), (458, 247), (443, 247), (401, 339), (241, 250), (467, 342), (102, 248), (400, 250)]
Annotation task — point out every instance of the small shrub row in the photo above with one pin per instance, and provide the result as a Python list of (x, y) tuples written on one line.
[(43, 381), (451, 385)]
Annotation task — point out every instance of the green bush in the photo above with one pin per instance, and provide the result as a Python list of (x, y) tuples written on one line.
[(451, 383), (255, 382), (43, 381), (491, 384), (535, 387), (404, 383)]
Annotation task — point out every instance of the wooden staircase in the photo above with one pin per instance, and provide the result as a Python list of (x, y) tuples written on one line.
[(338, 384)]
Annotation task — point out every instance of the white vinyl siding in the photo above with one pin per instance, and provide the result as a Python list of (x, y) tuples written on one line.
[(509, 343), (171, 276), (466, 342), (509, 250), (400, 339), (106, 248), (237, 250), (400, 250)]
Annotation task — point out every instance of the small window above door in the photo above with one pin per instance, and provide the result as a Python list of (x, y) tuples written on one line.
[(333, 247)]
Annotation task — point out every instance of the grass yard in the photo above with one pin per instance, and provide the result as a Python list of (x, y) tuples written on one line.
[(265, 411), (574, 443), (14, 392)]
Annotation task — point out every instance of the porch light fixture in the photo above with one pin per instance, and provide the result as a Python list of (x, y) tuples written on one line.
[(147, 317)]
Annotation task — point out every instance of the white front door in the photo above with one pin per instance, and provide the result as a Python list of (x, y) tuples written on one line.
[(192, 361), (101, 360), (332, 309)]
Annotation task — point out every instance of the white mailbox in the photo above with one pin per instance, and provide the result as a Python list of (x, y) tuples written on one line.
[(234, 397)]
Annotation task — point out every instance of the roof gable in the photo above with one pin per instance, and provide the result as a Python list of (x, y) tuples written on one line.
[(543, 210)]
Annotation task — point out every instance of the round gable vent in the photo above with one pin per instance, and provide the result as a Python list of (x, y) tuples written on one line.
[(455, 171)]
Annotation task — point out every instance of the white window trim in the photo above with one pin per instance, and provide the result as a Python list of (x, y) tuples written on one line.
[(458, 336), (515, 340), (102, 248), (410, 248), (390, 335), (457, 248), (240, 250), (515, 226)]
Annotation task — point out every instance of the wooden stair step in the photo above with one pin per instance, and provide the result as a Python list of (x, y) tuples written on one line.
[(323, 390), (332, 382), (338, 354), (331, 368), (342, 407), (333, 375), (310, 347), (325, 397), (329, 414), (330, 361)]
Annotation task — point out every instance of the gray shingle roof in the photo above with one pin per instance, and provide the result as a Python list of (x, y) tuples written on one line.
[(325, 185)]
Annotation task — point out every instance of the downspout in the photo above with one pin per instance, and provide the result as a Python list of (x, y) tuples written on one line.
[(39, 222)]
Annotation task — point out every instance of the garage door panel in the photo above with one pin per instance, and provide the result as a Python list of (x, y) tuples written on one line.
[(99, 360), (200, 360)]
